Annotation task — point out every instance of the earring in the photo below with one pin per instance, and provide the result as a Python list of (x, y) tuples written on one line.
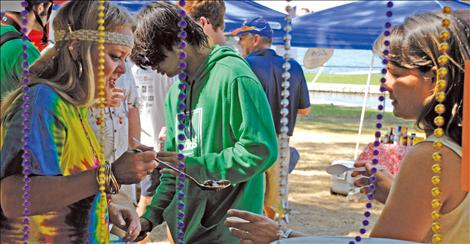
[(80, 68)]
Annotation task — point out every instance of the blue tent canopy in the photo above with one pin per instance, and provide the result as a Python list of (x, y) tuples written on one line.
[(239, 11), (358, 24), (236, 13)]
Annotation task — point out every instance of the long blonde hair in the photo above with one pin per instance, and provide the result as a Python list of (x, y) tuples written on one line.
[(57, 68)]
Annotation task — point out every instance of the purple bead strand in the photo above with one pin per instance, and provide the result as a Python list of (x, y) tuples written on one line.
[(380, 115), (26, 165), (181, 137)]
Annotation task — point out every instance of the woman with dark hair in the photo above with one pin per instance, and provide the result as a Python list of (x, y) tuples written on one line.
[(230, 135), (411, 82), (63, 199)]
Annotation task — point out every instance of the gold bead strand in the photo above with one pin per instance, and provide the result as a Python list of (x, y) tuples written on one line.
[(104, 237), (439, 121)]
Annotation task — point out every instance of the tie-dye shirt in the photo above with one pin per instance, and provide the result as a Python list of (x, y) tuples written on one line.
[(59, 147)]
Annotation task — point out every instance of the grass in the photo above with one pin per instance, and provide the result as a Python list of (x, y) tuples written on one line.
[(346, 119), (359, 79)]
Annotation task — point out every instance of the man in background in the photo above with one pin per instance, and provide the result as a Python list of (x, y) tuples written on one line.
[(209, 14), (255, 40)]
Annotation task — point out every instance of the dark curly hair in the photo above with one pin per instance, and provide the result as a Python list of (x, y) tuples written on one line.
[(158, 29), (414, 45)]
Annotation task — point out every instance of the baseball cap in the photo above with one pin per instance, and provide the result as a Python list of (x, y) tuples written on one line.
[(256, 25)]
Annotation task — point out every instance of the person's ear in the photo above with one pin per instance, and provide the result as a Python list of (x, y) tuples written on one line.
[(433, 73), (74, 49), (430, 79), (256, 40), (203, 21)]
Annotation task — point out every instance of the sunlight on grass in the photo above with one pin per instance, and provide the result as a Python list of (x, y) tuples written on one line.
[(357, 79), (346, 119)]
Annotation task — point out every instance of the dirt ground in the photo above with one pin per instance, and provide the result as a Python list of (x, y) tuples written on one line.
[(314, 210)]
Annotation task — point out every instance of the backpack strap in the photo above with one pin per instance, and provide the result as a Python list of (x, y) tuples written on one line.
[(11, 35)]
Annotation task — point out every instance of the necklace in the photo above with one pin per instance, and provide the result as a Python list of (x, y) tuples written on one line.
[(439, 122), (26, 164), (183, 76)]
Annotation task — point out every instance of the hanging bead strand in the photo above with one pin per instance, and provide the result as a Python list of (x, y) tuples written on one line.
[(101, 106), (439, 95), (282, 211), (180, 183), (380, 115), (26, 127)]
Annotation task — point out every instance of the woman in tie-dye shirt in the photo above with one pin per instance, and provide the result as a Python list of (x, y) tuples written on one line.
[(64, 198)]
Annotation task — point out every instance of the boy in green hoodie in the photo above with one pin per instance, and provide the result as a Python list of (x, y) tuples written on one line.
[(230, 132)]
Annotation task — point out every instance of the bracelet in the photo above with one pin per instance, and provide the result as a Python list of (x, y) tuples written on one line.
[(111, 185)]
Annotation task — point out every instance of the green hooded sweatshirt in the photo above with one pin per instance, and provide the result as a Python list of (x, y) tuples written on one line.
[(231, 137), (11, 61)]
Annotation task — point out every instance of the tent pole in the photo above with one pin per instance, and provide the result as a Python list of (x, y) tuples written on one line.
[(319, 73), (364, 103)]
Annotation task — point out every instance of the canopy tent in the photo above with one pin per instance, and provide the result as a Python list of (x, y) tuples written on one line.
[(236, 13), (356, 25)]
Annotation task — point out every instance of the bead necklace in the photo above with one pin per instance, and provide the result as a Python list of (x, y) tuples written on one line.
[(101, 106), (26, 164), (283, 210), (380, 115), (440, 95), (180, 183)]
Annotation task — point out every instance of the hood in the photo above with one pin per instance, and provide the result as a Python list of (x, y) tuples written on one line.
[(218, 53)]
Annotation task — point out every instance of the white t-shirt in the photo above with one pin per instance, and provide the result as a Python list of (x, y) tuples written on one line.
[(152, 88)]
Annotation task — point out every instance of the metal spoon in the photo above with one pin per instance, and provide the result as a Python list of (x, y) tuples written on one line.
[(207, 185), (337, 169)]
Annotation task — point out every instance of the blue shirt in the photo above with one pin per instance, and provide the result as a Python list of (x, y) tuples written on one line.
[(267, 66)]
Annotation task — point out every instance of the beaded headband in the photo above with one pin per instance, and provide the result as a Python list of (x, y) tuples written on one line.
[(92, 35)]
